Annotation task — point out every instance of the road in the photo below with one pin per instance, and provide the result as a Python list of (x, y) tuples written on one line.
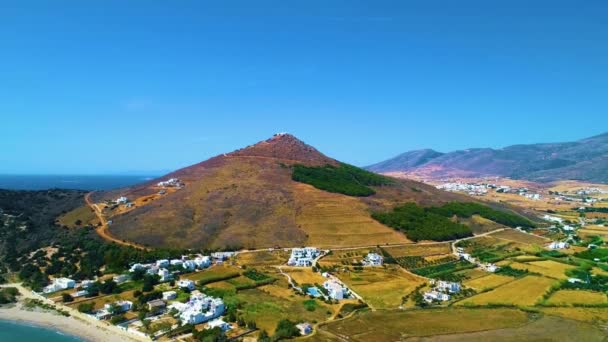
[(103, 230)]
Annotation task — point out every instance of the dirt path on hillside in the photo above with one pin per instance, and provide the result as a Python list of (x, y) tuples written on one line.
[(103, 230)]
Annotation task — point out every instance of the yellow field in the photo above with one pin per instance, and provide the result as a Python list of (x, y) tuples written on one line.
[(419, 250), (523, 291), (304, 275), (333, 220), (547, 268), (594, 230), (567, 297), (382, 288), (262, 258), (579, 314), (348, 256), (473, 273), (517, 236), (487, 282), (84, 214)]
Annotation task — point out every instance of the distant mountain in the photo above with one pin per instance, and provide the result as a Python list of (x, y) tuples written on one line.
[(585, 160), (249, 198)]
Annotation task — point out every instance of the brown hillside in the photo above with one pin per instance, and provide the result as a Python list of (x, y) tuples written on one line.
[(247, 199)]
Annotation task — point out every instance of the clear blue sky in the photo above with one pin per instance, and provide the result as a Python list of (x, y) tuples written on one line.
[(113, 86)]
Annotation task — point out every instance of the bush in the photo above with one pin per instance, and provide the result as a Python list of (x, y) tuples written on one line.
[(66, 298), (86, 307), (344, 179)]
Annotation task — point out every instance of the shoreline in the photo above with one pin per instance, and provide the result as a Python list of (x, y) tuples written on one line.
[(38, 325), (77, 324)]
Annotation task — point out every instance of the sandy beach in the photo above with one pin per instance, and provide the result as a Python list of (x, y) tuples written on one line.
[(78, 324)]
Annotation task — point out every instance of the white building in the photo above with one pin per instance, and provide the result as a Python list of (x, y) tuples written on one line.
[(199, 309), (162, 263), (176, 262), (553, 219), (305, 328), (489, 267), (373, 259), (334, 289), (164, 275), (120, 306), (189, 265), (558, 245), (136, 267), (121, 200), (59, 284), (436, 296), (203, 261), (186, 284), (218, 323), (446, 286), (119, 279), (169, 295), (303, 257)]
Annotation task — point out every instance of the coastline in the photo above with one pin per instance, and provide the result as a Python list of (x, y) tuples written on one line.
[(27, 323), (76, 325)]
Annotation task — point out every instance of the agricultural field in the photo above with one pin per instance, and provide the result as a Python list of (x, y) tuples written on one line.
[(517, 236), (346, 257), (426, 249), (262, 258), (380, 287), (579, 314), (213, 274), (480, 224), (397, 325), (304, 275), (488, 281), (548, 268), (570, 297), (525, 291)]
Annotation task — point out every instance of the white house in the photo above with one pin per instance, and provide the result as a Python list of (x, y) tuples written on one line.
[(218, 323), (558, 245), (305, 328), (334, 289), (136, 267), (162, 263), (189, 265), (121, 200), (186, 284), (202, 262), (169, 295), (176, 262), (59, 284), (436, 296), (119, 279), (447, 286), (80, 293), (120, 306), (553, 219), (373, 259), (199, 309), (303, 257), (164, 275), (489, 267)]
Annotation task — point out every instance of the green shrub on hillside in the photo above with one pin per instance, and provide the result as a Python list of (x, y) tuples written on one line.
[(462, 209), (344, 179), (422, 224)]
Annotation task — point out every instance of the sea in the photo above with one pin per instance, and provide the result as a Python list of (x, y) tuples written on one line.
[(11, 331), (74, 182)]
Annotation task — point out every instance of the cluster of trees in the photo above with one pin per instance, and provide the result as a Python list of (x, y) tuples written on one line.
[(344, 179), (468, 209), (8, 295), (422, 223)]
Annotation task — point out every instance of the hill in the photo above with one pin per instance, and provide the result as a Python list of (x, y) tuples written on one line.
[(278, 192), (585, 160)]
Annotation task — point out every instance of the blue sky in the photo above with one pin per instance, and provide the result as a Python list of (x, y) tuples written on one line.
[(93, 87)]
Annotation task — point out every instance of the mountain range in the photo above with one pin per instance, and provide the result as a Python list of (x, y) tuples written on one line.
[(585, 160), (252, 198)]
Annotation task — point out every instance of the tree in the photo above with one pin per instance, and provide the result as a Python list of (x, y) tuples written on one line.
[(285, 329), (263, 336), (66, 298), (86, 307)]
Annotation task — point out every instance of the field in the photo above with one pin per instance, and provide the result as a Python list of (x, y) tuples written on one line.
[(548, 268), (579, 314), (480, 225), (489, 281), (346, 257), (381, 288), (304, 275), (568, 297), (333, 220), (418, 249), (263, 258), (215, 273), (397, 325), (83, 214), (267, 309), (525, 291), (517, 236)]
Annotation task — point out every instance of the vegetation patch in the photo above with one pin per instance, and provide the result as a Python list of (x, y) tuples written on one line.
[(343, 179), (577, 297), (525, 291), (468, 209)]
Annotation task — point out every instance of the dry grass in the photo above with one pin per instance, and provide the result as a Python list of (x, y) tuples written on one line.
[(263, 258), (568, 297), (419, 249), (524, 291), (382, 288), (489, 281), (399, 325), (333, 220), (84, 214), (579, 314), (548, 268), (304, 275), (517, 236), (346, 256)]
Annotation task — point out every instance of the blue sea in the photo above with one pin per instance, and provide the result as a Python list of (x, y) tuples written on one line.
[(41, 182), (10, 331)]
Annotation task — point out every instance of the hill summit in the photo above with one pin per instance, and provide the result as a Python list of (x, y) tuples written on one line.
[(277, 192)]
